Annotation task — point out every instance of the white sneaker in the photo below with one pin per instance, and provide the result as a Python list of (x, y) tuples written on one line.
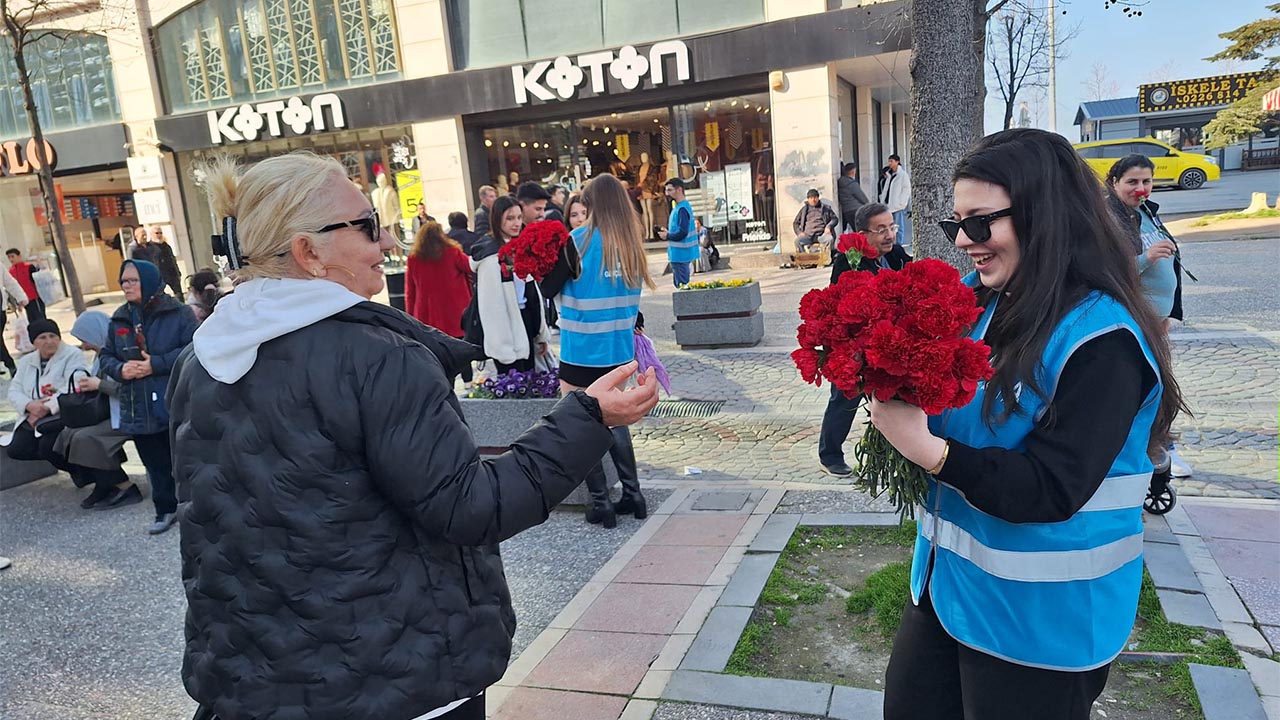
[(5, 563), (1179, 466)]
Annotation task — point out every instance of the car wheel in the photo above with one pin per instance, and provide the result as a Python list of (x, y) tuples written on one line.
[(1192, 179)]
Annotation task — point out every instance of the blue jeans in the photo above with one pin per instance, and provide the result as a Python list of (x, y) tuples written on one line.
[(836, 422), (680, 273), (904, 233)]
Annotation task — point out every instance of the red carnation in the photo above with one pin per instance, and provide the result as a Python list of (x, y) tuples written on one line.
[(122, 331), (536, 250), (856, 246)]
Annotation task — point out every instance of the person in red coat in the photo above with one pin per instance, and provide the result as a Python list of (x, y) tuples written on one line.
[(437, 284)]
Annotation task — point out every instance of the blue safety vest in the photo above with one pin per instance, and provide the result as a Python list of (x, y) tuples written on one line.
[(682, 242), (1058, 596), (597, 311)]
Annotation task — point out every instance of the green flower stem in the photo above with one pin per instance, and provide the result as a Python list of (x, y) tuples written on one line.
[(883, 469)]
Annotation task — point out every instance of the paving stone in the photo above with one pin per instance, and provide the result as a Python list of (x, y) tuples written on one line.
[(717, 639), (753, 572), (1246, 636), (1226, 693), (690, 711), (1272, 634), (537, 704), (856, 704), (721, 500), (1236, 523), (672, 565), (775, 534), (749, 692), (1169, 567), (1156, 530), (638, 608), (597, 662), (1264, 672), (718, 530), (1262, 597), (1245, 559), (1188, 609)]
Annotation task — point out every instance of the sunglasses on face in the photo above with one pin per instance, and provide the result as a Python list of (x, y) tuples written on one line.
[(369, 225), (976, 228)]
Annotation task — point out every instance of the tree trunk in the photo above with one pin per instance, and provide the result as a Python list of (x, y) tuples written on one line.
[(1008, 114), (47, 190), (947, 97)]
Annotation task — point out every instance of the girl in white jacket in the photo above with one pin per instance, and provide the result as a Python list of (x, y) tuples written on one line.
[(510, 309)]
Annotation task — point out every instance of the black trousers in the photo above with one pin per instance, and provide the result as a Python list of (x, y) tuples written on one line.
[(836, 422), (154, 452), (26, 446), (933, 677), (5, 358), (472, 709), (35, 309)]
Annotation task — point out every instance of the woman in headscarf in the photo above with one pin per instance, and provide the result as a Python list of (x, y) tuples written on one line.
[(98, 449), (144, 339)]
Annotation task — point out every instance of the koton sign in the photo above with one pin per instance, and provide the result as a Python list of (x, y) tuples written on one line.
[(564, 75), (244, 123), (22, 159)]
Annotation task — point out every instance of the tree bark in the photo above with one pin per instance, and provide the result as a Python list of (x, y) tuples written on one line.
[(52, 212), (947, 98)]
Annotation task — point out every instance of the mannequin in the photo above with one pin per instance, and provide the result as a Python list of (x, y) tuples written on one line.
[(501, 186), (650, 189), (387, 202)]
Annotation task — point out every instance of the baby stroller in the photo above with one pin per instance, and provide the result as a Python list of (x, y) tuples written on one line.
[(1161, 497)]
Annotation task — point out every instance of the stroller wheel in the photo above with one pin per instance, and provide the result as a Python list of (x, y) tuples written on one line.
[(1161, 502)]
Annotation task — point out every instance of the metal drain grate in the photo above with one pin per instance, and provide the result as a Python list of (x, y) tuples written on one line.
[(686, 408)]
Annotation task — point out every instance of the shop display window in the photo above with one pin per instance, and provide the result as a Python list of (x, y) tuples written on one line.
[(71, 79), (721, 148), (219, 52), (501, 32)]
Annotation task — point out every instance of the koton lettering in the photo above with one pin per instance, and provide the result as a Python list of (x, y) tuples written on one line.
[(560, 79), (19, 159), (244, 123)]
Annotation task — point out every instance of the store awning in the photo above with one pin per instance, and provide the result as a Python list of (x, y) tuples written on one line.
[(1271, 101)]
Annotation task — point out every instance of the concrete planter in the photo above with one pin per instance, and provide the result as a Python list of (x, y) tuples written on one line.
[(495, 424), (719, 317)]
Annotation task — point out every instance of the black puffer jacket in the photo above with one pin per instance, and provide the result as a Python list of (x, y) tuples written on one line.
[(339, 549)]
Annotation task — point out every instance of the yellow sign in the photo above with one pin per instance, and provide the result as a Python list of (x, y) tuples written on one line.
[(409, 185), (1199, 93), (713, 135), (622, 147)]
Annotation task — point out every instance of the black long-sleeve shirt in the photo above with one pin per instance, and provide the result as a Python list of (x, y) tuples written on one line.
[(1072, 447)]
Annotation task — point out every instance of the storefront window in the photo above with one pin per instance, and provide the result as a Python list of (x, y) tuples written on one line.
[(721, 148), (71, 80), (502, 32), (1182, 138), (224, 51)]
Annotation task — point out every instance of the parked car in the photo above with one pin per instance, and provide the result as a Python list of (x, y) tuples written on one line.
[(1173, 167)]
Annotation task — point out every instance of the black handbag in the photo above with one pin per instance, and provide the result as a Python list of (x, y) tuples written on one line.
[(83, 409)]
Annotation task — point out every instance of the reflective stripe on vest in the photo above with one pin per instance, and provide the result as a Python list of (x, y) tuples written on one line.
[(608, 303), (595, 328), (597, 310), (1118, 493)]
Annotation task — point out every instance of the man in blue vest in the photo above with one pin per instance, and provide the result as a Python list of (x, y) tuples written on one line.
[(682, 239)]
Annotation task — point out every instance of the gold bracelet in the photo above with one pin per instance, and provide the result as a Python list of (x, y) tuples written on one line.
[(946, 450)]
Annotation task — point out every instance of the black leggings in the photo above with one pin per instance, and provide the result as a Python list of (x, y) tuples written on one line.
[(933, 677)]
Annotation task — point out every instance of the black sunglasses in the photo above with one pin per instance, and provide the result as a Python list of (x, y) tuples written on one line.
[(976, 228), (370, 225)]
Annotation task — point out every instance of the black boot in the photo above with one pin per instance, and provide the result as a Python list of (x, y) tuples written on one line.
[(624, 459), (601, 511)]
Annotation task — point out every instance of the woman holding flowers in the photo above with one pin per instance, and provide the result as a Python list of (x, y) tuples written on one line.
[(510, 308), (1028, 557), (597, 324)]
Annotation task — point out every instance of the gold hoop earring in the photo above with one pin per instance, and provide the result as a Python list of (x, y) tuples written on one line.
[(339, 267)]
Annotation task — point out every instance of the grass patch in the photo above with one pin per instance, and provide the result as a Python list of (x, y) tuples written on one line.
[(886, 592), (1156, 634), (1211, 219), (754, 640)]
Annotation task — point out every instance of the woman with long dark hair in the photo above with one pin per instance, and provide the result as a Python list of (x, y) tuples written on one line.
[(1028, 557), (575, 212), (597, 324), (437, 281), (509, 309)]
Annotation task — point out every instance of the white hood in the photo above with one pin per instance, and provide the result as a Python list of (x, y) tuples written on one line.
[(259, 311)]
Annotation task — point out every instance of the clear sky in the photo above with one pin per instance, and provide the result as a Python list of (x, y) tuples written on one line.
[(1173, 33)]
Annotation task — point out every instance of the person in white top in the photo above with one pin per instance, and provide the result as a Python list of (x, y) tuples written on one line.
[(895, 192)]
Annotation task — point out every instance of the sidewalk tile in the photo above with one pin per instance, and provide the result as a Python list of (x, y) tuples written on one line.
[(536, 704), (597, 662), (728, 566), (671, 565), (1272, 634), (639, 710), (792, 696), (776, 533), (1262, 597), (698, 611), (849, 703), (1235, 523), (1188, 609), (1169, 567), (635, 608), (717, 530), (769, 502), (1246, 636), (730, 501), (674, 502), (753, 572), (750, 530), (1265, 674), (1245, 559), (673, 652), (1226, 693), (1156, 530), (532, 655), (654, 682), (717, 639)]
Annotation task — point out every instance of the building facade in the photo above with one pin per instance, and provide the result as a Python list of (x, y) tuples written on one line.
[(752, 102)]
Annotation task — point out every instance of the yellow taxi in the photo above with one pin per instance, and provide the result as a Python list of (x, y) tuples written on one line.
[(1188, 171)]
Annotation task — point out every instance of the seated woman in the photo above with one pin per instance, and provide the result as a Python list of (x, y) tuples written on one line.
[(44, 376)]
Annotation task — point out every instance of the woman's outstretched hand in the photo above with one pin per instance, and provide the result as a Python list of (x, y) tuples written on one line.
[(621, 406)]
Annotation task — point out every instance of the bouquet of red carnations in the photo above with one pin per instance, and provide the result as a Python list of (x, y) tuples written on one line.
[(534, 252), (894, 335)]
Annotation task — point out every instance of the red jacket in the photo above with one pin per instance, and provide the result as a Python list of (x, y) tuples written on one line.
[(436, 292), (22, 273)]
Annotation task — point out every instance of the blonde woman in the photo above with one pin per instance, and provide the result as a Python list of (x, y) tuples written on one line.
[(340, 541), (597, 324)]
